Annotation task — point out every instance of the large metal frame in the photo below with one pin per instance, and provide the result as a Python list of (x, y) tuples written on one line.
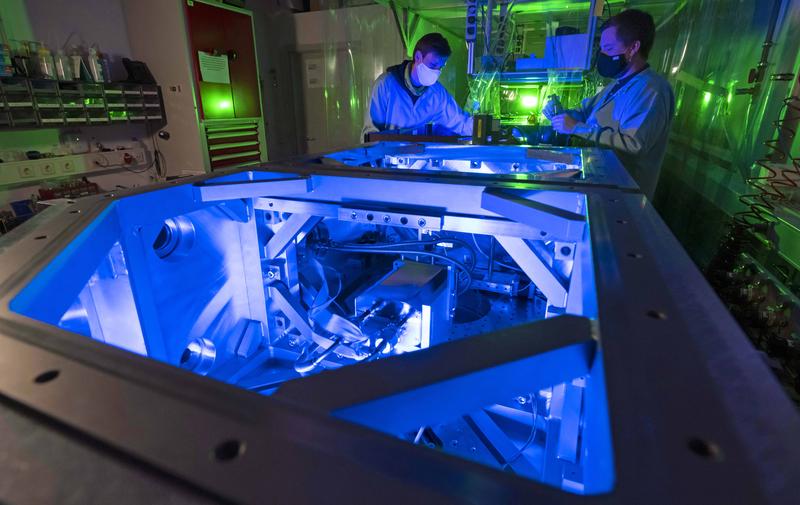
[(695, 415), (600, 168)]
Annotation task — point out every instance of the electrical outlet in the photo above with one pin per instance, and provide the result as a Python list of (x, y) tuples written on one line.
[(48, 168), (68, 166), (26, 171)]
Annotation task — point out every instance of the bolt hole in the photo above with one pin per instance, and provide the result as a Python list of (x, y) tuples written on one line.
[(635, 256), (403, 220), (70, 202), (622, 221), (543, 233), (705, 449), (229, 450), (40, 237), (566, 251), (45, 377), (370, 217), (656, 314), (74, 212), (271, 204)]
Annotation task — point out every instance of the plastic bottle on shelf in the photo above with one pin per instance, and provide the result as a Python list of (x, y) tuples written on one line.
[(21, 59), (63, 67), (95, 67), (105, 64), (79, 71), (46, 63)]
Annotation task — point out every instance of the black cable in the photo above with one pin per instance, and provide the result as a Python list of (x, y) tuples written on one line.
[(156, 153), (439, 239), (531, 437)]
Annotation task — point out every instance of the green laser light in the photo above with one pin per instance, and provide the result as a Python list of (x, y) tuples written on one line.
[(529, 101)]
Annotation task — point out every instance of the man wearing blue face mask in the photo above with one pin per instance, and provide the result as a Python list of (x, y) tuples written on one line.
[(408, 95), (631, 115)]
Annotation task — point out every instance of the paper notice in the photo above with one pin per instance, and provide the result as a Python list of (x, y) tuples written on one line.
[(315, 77), (213, 68)]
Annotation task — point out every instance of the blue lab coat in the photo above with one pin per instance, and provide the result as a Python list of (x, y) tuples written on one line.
[(394, 106), (634, 121)]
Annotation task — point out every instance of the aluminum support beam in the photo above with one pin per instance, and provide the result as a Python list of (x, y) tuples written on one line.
[(537, 270)]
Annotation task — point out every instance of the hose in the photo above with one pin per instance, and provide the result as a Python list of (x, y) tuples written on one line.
[(531, 436), (305, 366)]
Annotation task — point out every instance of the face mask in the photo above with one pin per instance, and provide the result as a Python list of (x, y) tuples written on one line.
[(426, 75), (611, 66)]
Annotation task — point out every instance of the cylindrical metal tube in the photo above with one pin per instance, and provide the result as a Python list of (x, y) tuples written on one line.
[(470, 57)]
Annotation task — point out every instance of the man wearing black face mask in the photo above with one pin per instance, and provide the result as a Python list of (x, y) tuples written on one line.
[(631, 115)]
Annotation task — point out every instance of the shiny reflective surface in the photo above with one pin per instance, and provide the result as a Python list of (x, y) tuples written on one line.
[(506, 160), (257, 279)]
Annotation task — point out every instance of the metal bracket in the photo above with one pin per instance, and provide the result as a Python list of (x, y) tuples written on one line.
[(286, 303), (296, 224), (556, 223), (498, 442), (404, 219), (252, 189), (537, 270)]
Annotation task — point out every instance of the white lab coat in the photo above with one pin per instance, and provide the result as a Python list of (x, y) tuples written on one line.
[(634, 122), (392, 107)]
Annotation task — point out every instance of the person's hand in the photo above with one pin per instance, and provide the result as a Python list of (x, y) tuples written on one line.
[(550, 109), (564, 123)]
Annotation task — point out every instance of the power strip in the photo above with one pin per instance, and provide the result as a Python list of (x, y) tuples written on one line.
[(29, 171)]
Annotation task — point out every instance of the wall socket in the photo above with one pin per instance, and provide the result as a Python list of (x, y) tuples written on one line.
[(26, 171), (47, 168), (30, 171)]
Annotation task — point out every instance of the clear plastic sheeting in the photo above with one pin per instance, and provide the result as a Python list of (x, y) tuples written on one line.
[(339, 54), (523, 58), (709, 50)]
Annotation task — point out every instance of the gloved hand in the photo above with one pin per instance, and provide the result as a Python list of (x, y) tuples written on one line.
[(552, 107), (564, 123)]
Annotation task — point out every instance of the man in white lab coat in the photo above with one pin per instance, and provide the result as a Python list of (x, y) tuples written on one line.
[(408, 95), (632, 115)]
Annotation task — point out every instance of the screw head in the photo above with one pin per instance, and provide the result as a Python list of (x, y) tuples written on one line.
[(386, 218), (353, 215), (421, 222)]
